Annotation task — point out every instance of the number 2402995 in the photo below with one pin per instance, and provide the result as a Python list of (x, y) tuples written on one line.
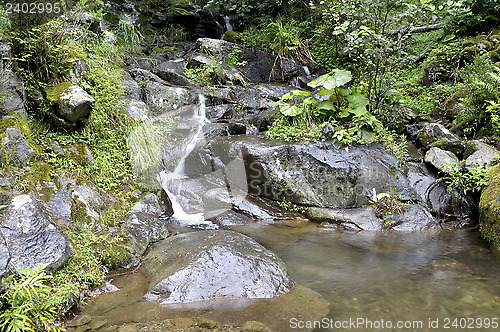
[(33, 8)]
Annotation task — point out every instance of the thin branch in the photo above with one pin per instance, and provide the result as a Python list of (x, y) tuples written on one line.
[(424, 28), (420, 55)]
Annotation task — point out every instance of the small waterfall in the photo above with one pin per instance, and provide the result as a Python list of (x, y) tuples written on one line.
[(227, 20), (306, 70), (166, 179)]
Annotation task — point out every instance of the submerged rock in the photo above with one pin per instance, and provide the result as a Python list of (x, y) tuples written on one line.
[(207, 265), (31, 236)]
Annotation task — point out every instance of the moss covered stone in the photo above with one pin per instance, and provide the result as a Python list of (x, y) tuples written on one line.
[(489, 208), (457, 146), (55, 93), (425, 139), (231, 36)]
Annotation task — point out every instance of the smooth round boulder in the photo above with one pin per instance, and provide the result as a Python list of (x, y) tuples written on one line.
[(213, 264)]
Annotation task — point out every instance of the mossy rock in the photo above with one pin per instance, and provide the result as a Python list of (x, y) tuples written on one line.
[(453, 105), (457, 147), (484, 44), (470, 148), (119, 255), (494, 39), (425, 139), (493, 55), (469, 52), (39, 172), (489, 208), (17, 147), (231, 36), (55, 93)]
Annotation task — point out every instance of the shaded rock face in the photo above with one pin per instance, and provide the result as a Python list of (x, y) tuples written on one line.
[(14, 148), (144, 224), (31, 236), (207, 265), (12, 93), (260, 66), (489, 208)]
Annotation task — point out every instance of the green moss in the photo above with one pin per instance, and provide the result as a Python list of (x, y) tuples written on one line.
[(79, 215), (231, 36), (425, 139), (457, 147), (39, 172), (470, 148), (453, 105), (484, 44), (494, 38), (54, 93), (493, 55), (489, 208)]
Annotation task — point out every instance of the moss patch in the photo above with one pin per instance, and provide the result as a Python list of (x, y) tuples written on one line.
[(489, 208), (55, 93)]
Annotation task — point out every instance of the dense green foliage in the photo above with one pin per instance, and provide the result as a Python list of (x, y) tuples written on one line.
[(27, 302)]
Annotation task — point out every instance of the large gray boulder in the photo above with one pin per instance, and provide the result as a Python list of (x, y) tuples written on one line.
[(159, 96), (31, 236), (12, 94), (207, 265), (71, 101), (483, 156)]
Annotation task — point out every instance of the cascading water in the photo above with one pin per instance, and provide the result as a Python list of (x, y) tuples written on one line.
[(166, 179), (227, 20), (306, 70)]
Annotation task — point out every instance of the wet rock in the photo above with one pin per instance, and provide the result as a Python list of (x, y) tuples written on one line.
[(275, 170), (32, 236), (137, 109), (208, 25), (144, 224), (166, 204), (160, 97), (13, 95), (106, 287), (237, 129), (489, 208), (360, 218), (71, 102), (439, 158), (434, 132), (483, 156), (435, 195), (206, 265), (15, 148), (57, 200), (414, 218), (4, 256)]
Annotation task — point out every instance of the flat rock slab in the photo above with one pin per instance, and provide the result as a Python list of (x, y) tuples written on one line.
[(213, 264)]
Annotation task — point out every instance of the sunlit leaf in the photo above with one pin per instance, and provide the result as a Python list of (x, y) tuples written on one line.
[(332, 80), (357, 103), (291, 110)]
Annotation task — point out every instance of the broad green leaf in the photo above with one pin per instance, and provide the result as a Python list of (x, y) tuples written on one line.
[(357, 103), (332, 80), (301, 93), (291, 110), (326, 105), (367, 136), (324, 92)]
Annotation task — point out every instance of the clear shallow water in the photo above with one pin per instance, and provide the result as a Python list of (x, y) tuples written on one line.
[(393, 276)]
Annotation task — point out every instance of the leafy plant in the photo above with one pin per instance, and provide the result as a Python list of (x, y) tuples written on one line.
[(206, 74), (233, 58), (286, 40), (347, 106), (462, 181), (130, 34), (386, 204), (26, 302), (482, 80)]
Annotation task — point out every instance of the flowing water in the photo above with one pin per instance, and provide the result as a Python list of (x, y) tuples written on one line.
[(418, 278), (426, 281)]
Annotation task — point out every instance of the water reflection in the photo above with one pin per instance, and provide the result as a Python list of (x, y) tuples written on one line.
[(394, 276)]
